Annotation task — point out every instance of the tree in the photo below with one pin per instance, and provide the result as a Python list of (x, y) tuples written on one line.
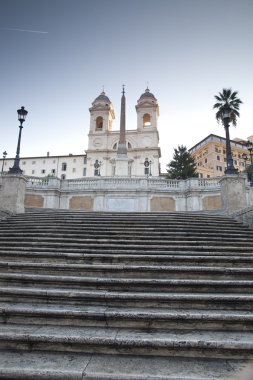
[(227, 100), (183, 165)]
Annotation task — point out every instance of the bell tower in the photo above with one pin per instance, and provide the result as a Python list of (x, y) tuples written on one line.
[(101, 114), (147, 111)]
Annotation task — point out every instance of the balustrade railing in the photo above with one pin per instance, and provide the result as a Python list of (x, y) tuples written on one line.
[(122, 183)]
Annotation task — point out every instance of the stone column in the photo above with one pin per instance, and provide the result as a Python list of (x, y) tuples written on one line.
[(12, 193), (233, 193)]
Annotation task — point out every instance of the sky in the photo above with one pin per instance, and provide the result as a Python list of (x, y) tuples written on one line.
[(56, 56)]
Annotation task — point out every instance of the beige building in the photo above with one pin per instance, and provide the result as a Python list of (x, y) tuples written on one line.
[(210, 155)]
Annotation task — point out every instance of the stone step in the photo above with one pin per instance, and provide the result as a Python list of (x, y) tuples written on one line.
[(191, 258), (41, 365), (144, 318), (104, 236), (126, 247), (88, 297), (123, 341), (130, 271), (129, 284)]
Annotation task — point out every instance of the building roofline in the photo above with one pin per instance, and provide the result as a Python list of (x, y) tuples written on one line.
[(60, 156), (213, 135)]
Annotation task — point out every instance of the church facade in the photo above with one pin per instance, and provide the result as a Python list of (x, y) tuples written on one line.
[(142, 149)]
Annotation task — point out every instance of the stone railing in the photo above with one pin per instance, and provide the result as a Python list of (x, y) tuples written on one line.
[(111, 183)]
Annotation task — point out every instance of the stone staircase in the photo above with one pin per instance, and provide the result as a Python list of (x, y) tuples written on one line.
[(124, 296)]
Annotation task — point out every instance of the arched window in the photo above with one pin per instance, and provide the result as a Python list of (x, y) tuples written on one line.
[(99, 123), (115, 146), (129, 146), (146, 120)]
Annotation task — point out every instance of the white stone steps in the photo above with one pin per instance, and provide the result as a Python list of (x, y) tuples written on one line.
[(215, 344), (57, 257), (126, 246), (129, 284), (154, 299), (144, 318), (129, 270), (121, 238), (16, 365)]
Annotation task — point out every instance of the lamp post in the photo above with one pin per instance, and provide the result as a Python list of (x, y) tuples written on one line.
[(21, 117), (4, 157), (230, 165)]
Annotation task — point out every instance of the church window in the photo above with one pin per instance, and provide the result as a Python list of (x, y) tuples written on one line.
[(146, 120), (99, 123), (64, 166)]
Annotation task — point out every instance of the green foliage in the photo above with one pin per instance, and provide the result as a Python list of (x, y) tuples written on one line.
[(227, 100), (182, 166)]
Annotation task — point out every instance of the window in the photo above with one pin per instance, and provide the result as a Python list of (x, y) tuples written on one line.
[(63, 176), (219, 168), (33, 162), (53, 171), (114, 146), (218, 158), (85, 160), (44, 161), (205, 160), (129, 146), (33, 171), (208, 176), (99, 123), (64, 166), (74, 160), (84, 172), (43, 171), (235, 162), (146, 120), (73, 170), (23, 162), (54, 161)]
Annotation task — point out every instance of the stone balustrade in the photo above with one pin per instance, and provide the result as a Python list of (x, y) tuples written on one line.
[(121, 183)]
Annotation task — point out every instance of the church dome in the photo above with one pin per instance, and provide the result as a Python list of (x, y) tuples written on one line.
[(147, 94), (102, 98)]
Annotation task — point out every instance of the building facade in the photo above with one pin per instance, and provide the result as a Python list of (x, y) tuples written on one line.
[(210, 155), (142, 146)]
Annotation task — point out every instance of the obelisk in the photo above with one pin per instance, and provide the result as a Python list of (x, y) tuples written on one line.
[(122, 162)]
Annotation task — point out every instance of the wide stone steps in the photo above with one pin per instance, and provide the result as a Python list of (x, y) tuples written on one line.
[(119, 284), (144, 318), (129, 271), (115, 289), (109, 340), (154, 299), (77, 366)]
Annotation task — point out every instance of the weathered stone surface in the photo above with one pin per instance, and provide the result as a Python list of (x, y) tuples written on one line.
[(162, 204), (81, 203), (34, 200), (212, 202)]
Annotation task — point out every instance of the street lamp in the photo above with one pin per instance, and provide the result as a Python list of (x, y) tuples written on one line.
[(4, 157), (230, 165), (21, 117)]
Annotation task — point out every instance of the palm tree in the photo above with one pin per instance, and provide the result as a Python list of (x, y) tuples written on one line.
[(227, 101), (228, 110)]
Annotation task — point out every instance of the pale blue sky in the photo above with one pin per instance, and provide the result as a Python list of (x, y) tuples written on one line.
[(187, 50)]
